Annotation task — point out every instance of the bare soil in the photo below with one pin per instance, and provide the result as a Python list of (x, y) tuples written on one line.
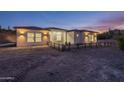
[(40, 64)]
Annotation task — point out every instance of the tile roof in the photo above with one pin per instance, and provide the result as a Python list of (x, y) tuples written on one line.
[(29, 27), (38, 28), (49, 28)]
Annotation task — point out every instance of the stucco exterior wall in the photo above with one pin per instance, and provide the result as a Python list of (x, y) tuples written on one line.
[(74, 37), (70, 37), (87, 38), (53, 35), (78, 37), (84, 37), (22, 37)]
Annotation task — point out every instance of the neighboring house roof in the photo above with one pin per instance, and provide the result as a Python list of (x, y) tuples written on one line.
[(77, 30)]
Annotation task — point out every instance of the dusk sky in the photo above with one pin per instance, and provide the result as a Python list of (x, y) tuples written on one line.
[(100, 21)]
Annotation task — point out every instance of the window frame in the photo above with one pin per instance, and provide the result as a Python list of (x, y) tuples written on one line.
[(33, 37), (38, 37), (58, 36)]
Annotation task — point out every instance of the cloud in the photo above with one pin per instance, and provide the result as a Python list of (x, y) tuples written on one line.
[(96, 28), (114, 19)]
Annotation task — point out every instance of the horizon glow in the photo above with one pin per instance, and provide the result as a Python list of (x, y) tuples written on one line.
[(100, 20)]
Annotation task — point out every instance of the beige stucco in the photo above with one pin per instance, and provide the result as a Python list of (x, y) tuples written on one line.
[(73, 37), (22, 37), (81, 36), (87, 35), (70, 37), (53, 33)]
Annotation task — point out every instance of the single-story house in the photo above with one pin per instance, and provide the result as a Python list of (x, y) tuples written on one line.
[(34, 36)]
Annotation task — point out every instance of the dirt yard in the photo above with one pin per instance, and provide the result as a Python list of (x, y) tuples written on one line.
[(49, 65)]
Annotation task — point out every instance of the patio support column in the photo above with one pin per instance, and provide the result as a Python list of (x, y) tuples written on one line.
[(66, 36)]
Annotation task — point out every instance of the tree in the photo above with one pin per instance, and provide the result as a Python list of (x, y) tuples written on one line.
[(0, 28)]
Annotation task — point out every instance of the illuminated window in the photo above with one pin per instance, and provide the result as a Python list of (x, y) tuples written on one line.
[(58, 36), (30, 37), (86, 39), (86, 33), (37, 37), (95, 34), (34, 37), (91, 38)]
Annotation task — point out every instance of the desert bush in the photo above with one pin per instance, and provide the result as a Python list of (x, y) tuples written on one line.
[(121, 43)]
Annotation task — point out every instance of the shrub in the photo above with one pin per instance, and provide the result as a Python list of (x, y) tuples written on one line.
[(121, 43)]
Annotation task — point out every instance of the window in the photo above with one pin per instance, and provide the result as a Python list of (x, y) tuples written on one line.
[(58, 36), (38, 37), (86, 39), (30, 37), (91, 38), (34, 37)]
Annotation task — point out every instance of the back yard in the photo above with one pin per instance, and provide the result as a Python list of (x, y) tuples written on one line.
[(49, 65)]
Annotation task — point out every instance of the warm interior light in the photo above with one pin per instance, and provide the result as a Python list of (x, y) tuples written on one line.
[(86, 39), (57, 36), (30, 37), (92, 38)]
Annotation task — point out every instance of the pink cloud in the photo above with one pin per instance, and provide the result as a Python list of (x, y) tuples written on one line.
[(114, 19), (97, 28)]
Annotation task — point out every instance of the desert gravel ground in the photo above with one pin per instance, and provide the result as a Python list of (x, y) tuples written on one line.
[(44, 64)]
